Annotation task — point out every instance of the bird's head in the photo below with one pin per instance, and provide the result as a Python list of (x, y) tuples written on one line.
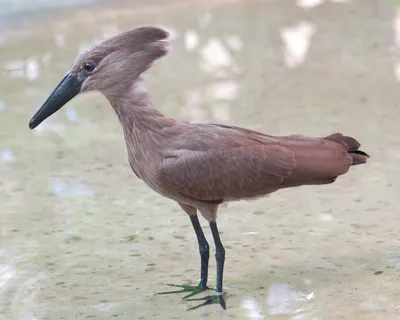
[(112, 66)]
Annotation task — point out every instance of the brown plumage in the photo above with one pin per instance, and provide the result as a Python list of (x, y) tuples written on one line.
[(198, 165)]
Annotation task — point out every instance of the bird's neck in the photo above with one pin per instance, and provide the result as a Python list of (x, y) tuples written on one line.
[(136, 112), (145, 128)]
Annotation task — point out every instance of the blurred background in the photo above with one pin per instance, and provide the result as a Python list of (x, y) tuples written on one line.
[(81, 237)]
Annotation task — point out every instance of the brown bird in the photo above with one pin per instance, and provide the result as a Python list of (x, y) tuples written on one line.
[(200, 166)]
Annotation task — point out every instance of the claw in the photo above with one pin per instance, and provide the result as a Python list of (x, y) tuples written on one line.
[(191, 294), (212, 299), (186, 288)]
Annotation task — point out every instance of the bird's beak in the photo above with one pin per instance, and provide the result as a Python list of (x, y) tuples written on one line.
[(68, 88)]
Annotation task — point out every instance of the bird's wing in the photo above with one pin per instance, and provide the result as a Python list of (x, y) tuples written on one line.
[(211, 163), (318, 160)]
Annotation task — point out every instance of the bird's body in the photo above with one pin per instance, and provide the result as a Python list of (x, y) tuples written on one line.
[(203, 164), (199, 166)]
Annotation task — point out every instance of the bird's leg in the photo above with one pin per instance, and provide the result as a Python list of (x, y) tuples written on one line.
[(204, 251), (219, 256), (217, 298), (204, 256)]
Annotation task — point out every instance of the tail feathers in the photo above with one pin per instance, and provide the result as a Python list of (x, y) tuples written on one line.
[(351, 143), (352, 146), (358, 156)]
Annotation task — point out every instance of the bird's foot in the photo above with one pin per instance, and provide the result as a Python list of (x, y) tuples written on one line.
[(216, 298), (185, 288)]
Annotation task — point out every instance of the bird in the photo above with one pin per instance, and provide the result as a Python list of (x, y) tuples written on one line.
[(198, 165)]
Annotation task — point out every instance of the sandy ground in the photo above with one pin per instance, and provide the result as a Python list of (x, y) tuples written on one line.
[(82, 238)]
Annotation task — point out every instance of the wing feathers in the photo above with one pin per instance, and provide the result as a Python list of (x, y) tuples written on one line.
[(218, 162)]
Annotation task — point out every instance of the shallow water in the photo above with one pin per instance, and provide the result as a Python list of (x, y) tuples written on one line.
[(81, 237)]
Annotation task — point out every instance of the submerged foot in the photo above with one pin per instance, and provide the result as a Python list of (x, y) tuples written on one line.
[(216, 298), (193, 290)]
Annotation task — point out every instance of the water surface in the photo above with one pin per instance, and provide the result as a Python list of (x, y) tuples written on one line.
[(81, 237)]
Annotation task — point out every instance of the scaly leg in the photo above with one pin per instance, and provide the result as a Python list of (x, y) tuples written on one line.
[(217, 298), (204, 256)]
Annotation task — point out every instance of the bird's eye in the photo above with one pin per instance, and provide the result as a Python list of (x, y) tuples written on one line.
[(89, 66)]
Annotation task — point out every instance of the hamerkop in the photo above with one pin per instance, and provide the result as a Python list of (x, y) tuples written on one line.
[(200, 166)]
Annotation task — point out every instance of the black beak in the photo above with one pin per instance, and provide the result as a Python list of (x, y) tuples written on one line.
[(68, 88)]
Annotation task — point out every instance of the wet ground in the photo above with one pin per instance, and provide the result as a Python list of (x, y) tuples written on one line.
[(82, 238)]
